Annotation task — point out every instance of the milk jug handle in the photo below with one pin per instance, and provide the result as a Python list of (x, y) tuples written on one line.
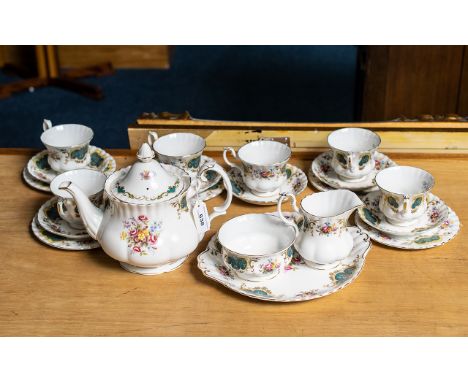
[(228, 162), (290, 222)]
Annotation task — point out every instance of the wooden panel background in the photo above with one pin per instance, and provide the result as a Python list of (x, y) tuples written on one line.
[(397, 136), (463, 95), (411, 81), (121, 56)]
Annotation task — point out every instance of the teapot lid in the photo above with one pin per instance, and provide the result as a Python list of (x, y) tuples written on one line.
[(147, 181)]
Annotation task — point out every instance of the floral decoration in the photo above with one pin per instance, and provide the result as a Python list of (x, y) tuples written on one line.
[(328, 228), (146, 174), (141, 235)]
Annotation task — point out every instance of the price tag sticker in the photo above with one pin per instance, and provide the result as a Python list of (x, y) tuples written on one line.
[(200, 215)]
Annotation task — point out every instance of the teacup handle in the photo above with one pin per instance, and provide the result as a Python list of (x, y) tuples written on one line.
[(228, 162), (46, 124), (63, 214), (291, 223), (152, 138)]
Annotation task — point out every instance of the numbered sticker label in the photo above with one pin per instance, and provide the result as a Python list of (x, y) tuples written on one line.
[(200, 215)]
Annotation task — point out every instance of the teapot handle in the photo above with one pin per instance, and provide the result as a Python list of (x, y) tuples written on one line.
[(46, 124), (291, 223), (219, 210)]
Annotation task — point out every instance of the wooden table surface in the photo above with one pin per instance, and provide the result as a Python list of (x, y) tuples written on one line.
[(49, 292)]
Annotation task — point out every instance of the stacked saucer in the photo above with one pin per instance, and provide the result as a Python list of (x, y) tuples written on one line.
[(38, 173), (352, 163), (324, 178), (49, 227), (404, 214)]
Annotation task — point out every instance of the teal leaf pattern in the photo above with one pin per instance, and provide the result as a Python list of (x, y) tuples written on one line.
[(237, 263), (79, 153), (417, 202)]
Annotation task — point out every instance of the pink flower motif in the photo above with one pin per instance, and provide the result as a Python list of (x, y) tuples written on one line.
[(152, 239), (136, 249), (142, 218), (133, 232), (146, 175)]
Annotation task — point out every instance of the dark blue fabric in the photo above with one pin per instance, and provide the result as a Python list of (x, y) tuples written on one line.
[(263, 83)]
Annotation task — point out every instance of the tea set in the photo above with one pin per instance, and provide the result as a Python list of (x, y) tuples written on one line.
[(150, 216)]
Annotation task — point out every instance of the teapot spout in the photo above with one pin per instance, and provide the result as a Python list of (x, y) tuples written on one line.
[(91, 215)]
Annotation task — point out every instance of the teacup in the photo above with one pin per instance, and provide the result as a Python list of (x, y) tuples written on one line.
[(353, 152), (68, 145), (90, 181), (256, 246), (183, 150), (263, 165), (404, 193)]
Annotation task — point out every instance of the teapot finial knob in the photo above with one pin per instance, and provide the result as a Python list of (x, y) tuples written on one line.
[(145, 154)]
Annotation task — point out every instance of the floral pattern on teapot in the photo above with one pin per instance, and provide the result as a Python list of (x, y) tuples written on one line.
[(141, 235)]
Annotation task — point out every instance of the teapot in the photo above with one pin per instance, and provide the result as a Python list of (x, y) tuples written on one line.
[(152, 217), (322, 237)]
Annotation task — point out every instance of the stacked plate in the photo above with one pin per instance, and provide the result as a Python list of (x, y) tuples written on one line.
[(324, 178), (435, 227), (38, 174), (52, 230), (47, 225)]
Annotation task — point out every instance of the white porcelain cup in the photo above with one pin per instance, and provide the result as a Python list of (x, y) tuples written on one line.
[(183, 150), (263, 165), (353, 152), (256, 246), (90, 181), (67, 145), (404, 193)]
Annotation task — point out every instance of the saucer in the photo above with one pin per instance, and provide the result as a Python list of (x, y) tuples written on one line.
[(436, 213), (295, 184), (49, 219), (39, 167), (321, 167), (212, 192), (296, 282), (59, 242), (212, 176), (34, 183), (434, 237), (317, 183)]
